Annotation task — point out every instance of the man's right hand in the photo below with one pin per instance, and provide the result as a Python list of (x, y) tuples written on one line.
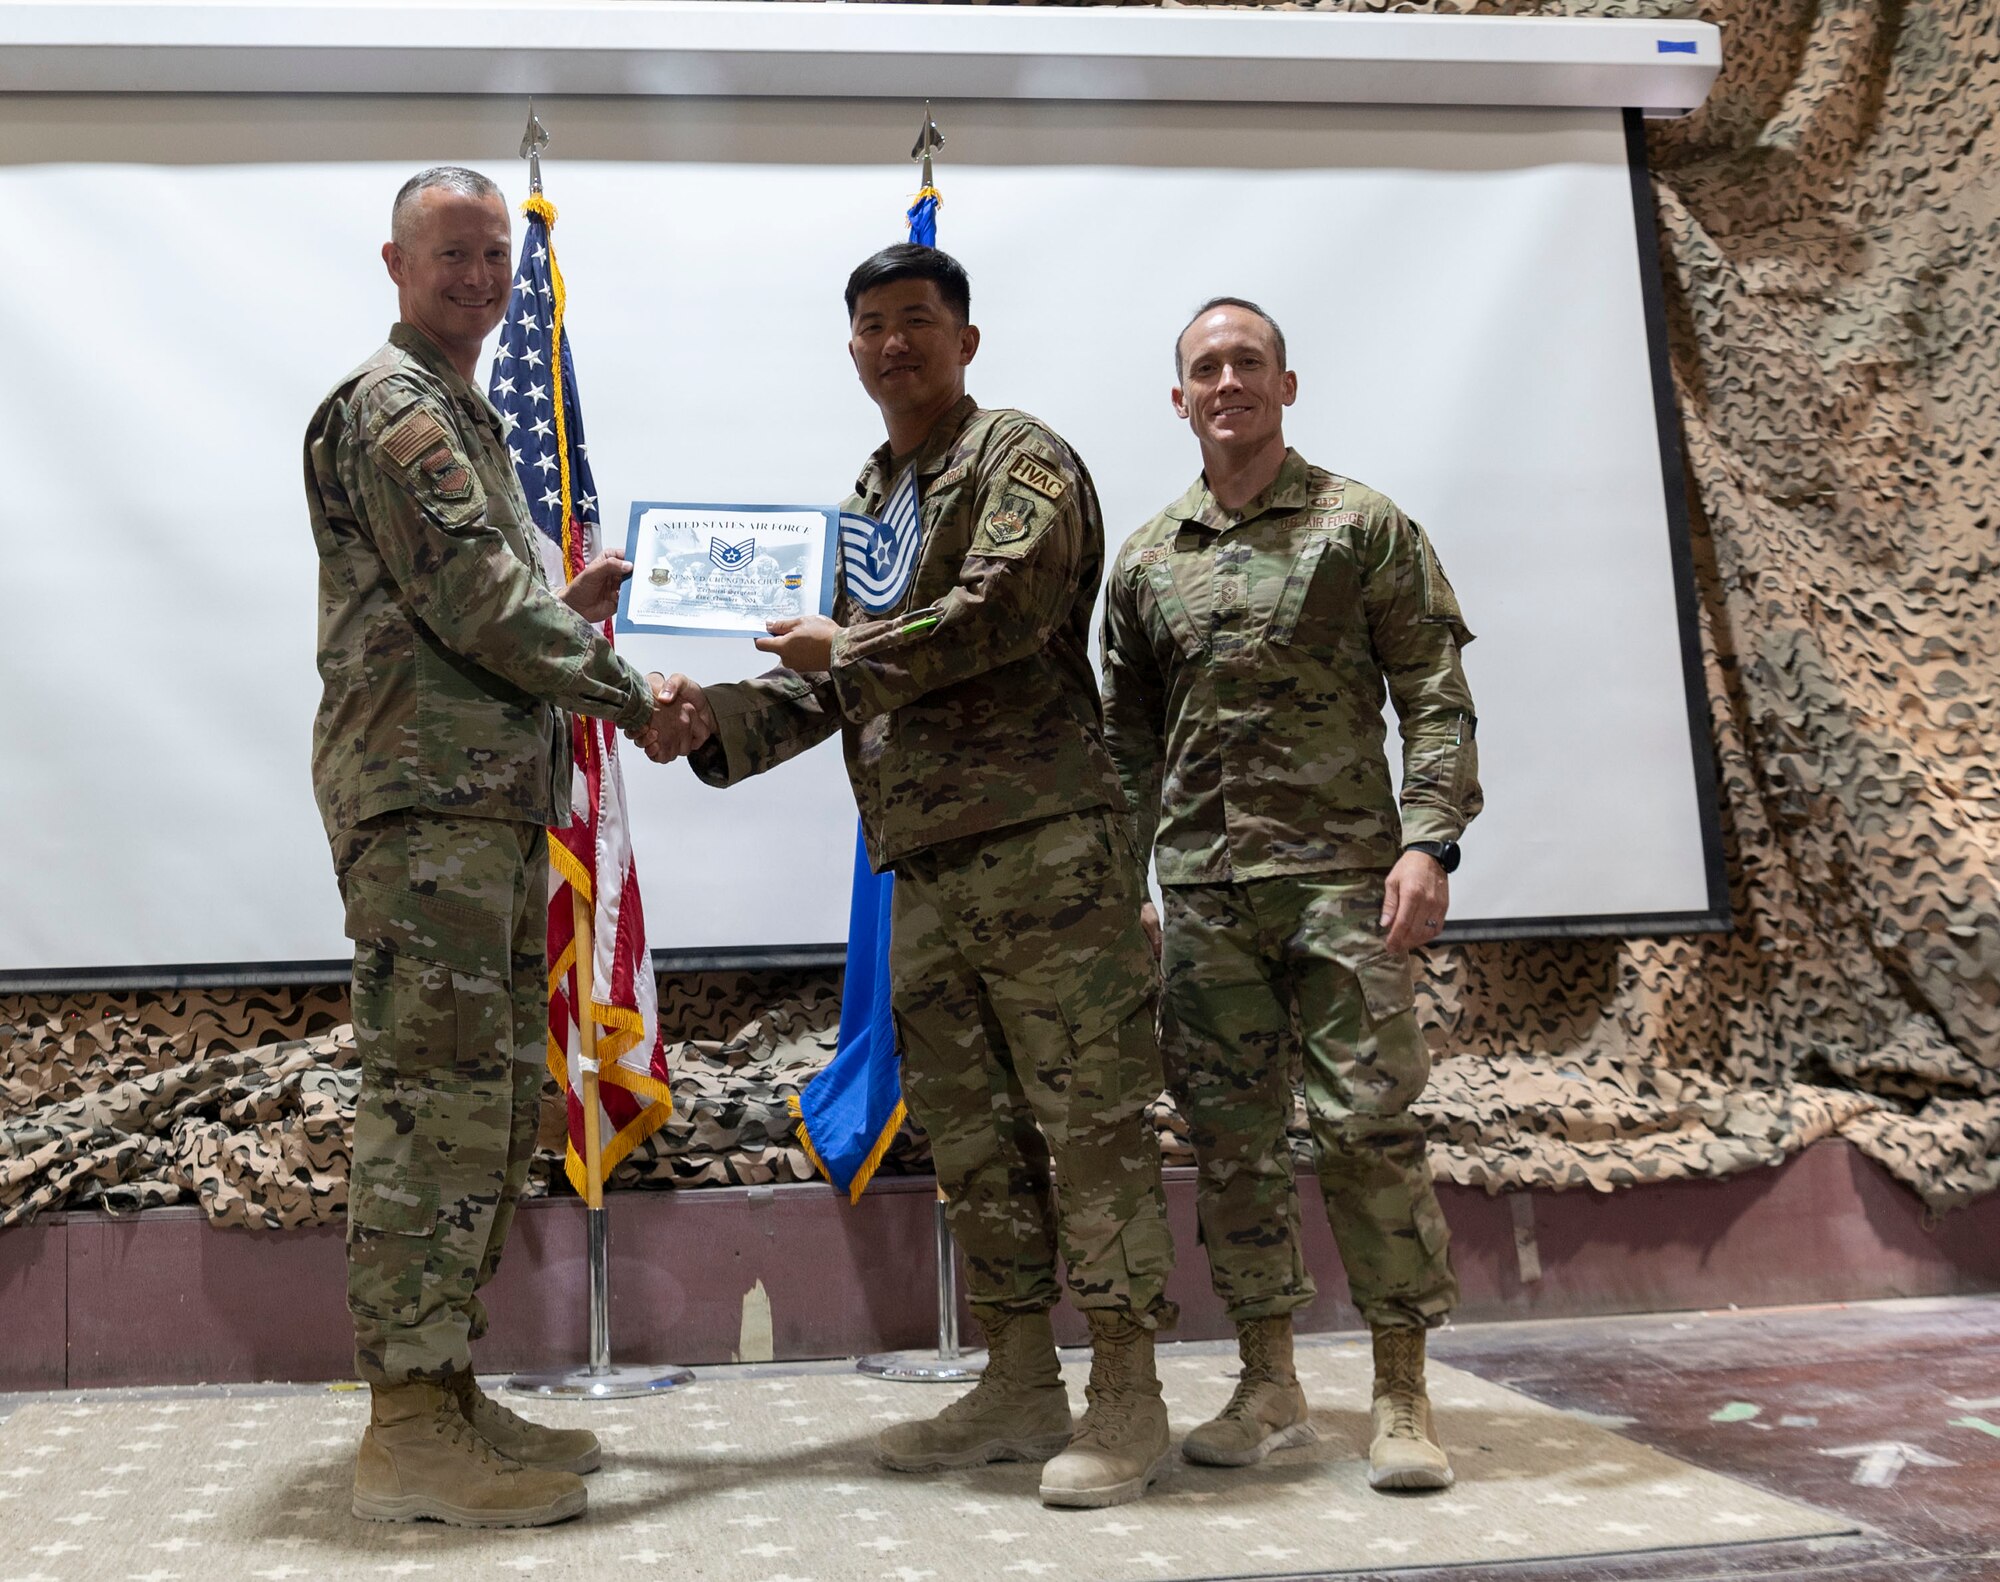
[(682, 720), (1149, 920)]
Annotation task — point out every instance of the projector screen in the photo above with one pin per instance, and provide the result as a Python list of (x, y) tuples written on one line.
[(1465, 293)]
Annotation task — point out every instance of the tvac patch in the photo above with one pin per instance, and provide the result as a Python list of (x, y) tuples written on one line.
[(1038, 477), (411, 436)]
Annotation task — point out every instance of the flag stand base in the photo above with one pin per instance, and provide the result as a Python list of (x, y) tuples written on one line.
[(924, 1367), (599, 1379), (946, 1365), (613, 1384)]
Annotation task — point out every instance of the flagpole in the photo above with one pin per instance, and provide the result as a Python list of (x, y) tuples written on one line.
[(599, 1379), (597, 1232), (948, 1364)]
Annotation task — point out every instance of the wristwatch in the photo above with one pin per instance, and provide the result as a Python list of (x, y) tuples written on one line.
[(1444, 852)]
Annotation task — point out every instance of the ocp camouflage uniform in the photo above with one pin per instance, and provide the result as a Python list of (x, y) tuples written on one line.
[(1023, 986), (439, 756), (1245, 657)]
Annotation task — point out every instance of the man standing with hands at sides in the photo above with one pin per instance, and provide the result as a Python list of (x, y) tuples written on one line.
[(1250, 632), (440, 756), (958, 674)]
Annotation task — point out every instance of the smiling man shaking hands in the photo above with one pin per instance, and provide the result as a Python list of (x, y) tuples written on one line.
[(1251, 631), (958, 673), (440, 753)]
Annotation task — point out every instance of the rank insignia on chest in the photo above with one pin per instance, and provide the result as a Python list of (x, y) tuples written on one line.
[(1041, 479), (878, 555)]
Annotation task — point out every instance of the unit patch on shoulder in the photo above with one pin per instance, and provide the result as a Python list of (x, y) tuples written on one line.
[(1042, 479), (446, 472), (411, 436), (1004, 527)]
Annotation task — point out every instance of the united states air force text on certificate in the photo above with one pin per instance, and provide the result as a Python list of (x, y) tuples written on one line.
[(725, 570)]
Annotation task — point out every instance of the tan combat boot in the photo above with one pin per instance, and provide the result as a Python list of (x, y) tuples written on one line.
[(564, 1449), (1405, 1453), (420, 1458), (1122, 1443), (1268, 1410), (1018, 1411)]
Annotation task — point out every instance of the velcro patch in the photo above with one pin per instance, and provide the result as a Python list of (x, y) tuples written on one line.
[(1153, 556), (409, 437), (1340, 519), (1038, 477)]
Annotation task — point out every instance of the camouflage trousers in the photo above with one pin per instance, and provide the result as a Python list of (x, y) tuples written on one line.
[(1257, 975), (449, 922), (1024, 997)]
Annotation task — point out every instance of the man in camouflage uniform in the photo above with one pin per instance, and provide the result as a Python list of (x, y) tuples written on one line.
[(1249, 631), (1023, 982), (439, 756)]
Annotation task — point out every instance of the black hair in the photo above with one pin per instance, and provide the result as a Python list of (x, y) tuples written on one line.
[(907, 261), (1229, 302)]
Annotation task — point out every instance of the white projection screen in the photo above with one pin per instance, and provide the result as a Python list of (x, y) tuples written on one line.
[(1471, 309)]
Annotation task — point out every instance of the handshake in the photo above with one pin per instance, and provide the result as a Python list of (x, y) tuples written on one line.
[(681, 722)]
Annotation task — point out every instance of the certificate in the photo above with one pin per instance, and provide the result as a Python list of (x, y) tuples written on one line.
[(724, 570)]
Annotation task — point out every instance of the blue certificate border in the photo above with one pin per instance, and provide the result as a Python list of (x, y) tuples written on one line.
[(830, 514)]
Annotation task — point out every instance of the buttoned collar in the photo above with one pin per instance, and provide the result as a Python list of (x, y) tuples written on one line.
[(931, 455), (409, 338), (1289, 491)]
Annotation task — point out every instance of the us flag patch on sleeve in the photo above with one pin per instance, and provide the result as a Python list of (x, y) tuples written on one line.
[(409, 437)]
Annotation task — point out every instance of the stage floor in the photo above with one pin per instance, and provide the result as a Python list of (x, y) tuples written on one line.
[(1876, 1425)]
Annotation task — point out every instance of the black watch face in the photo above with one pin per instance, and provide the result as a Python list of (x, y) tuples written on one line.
[(1445, 852)]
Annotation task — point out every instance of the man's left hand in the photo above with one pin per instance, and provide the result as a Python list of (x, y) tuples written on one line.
[(801, 642), (1415, 901), (593, 591)]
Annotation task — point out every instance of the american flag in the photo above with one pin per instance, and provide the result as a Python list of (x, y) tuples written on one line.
[(534, 389)]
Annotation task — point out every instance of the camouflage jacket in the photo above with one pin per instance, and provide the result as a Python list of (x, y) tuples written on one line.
[(444, 655), (1245, 656), (971, 705)]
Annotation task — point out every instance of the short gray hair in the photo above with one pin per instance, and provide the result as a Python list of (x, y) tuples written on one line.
[(449, 178), (1209, 307)]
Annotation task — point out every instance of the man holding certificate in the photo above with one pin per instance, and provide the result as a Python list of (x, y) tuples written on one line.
[(957, 670)]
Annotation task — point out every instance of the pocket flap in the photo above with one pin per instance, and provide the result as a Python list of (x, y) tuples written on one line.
[(428, 927), (399, 1210), (1292, 599), (1387, 985), (1091, 1019), (1172, 610)]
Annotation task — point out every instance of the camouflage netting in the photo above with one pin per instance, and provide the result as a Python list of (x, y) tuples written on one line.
[(1830, 237)]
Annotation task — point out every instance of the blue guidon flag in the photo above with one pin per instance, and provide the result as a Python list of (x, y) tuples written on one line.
[(731, 557), (877, 557), (850, 1113)]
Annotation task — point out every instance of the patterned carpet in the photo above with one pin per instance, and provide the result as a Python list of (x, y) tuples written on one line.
[(764, 1476)]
